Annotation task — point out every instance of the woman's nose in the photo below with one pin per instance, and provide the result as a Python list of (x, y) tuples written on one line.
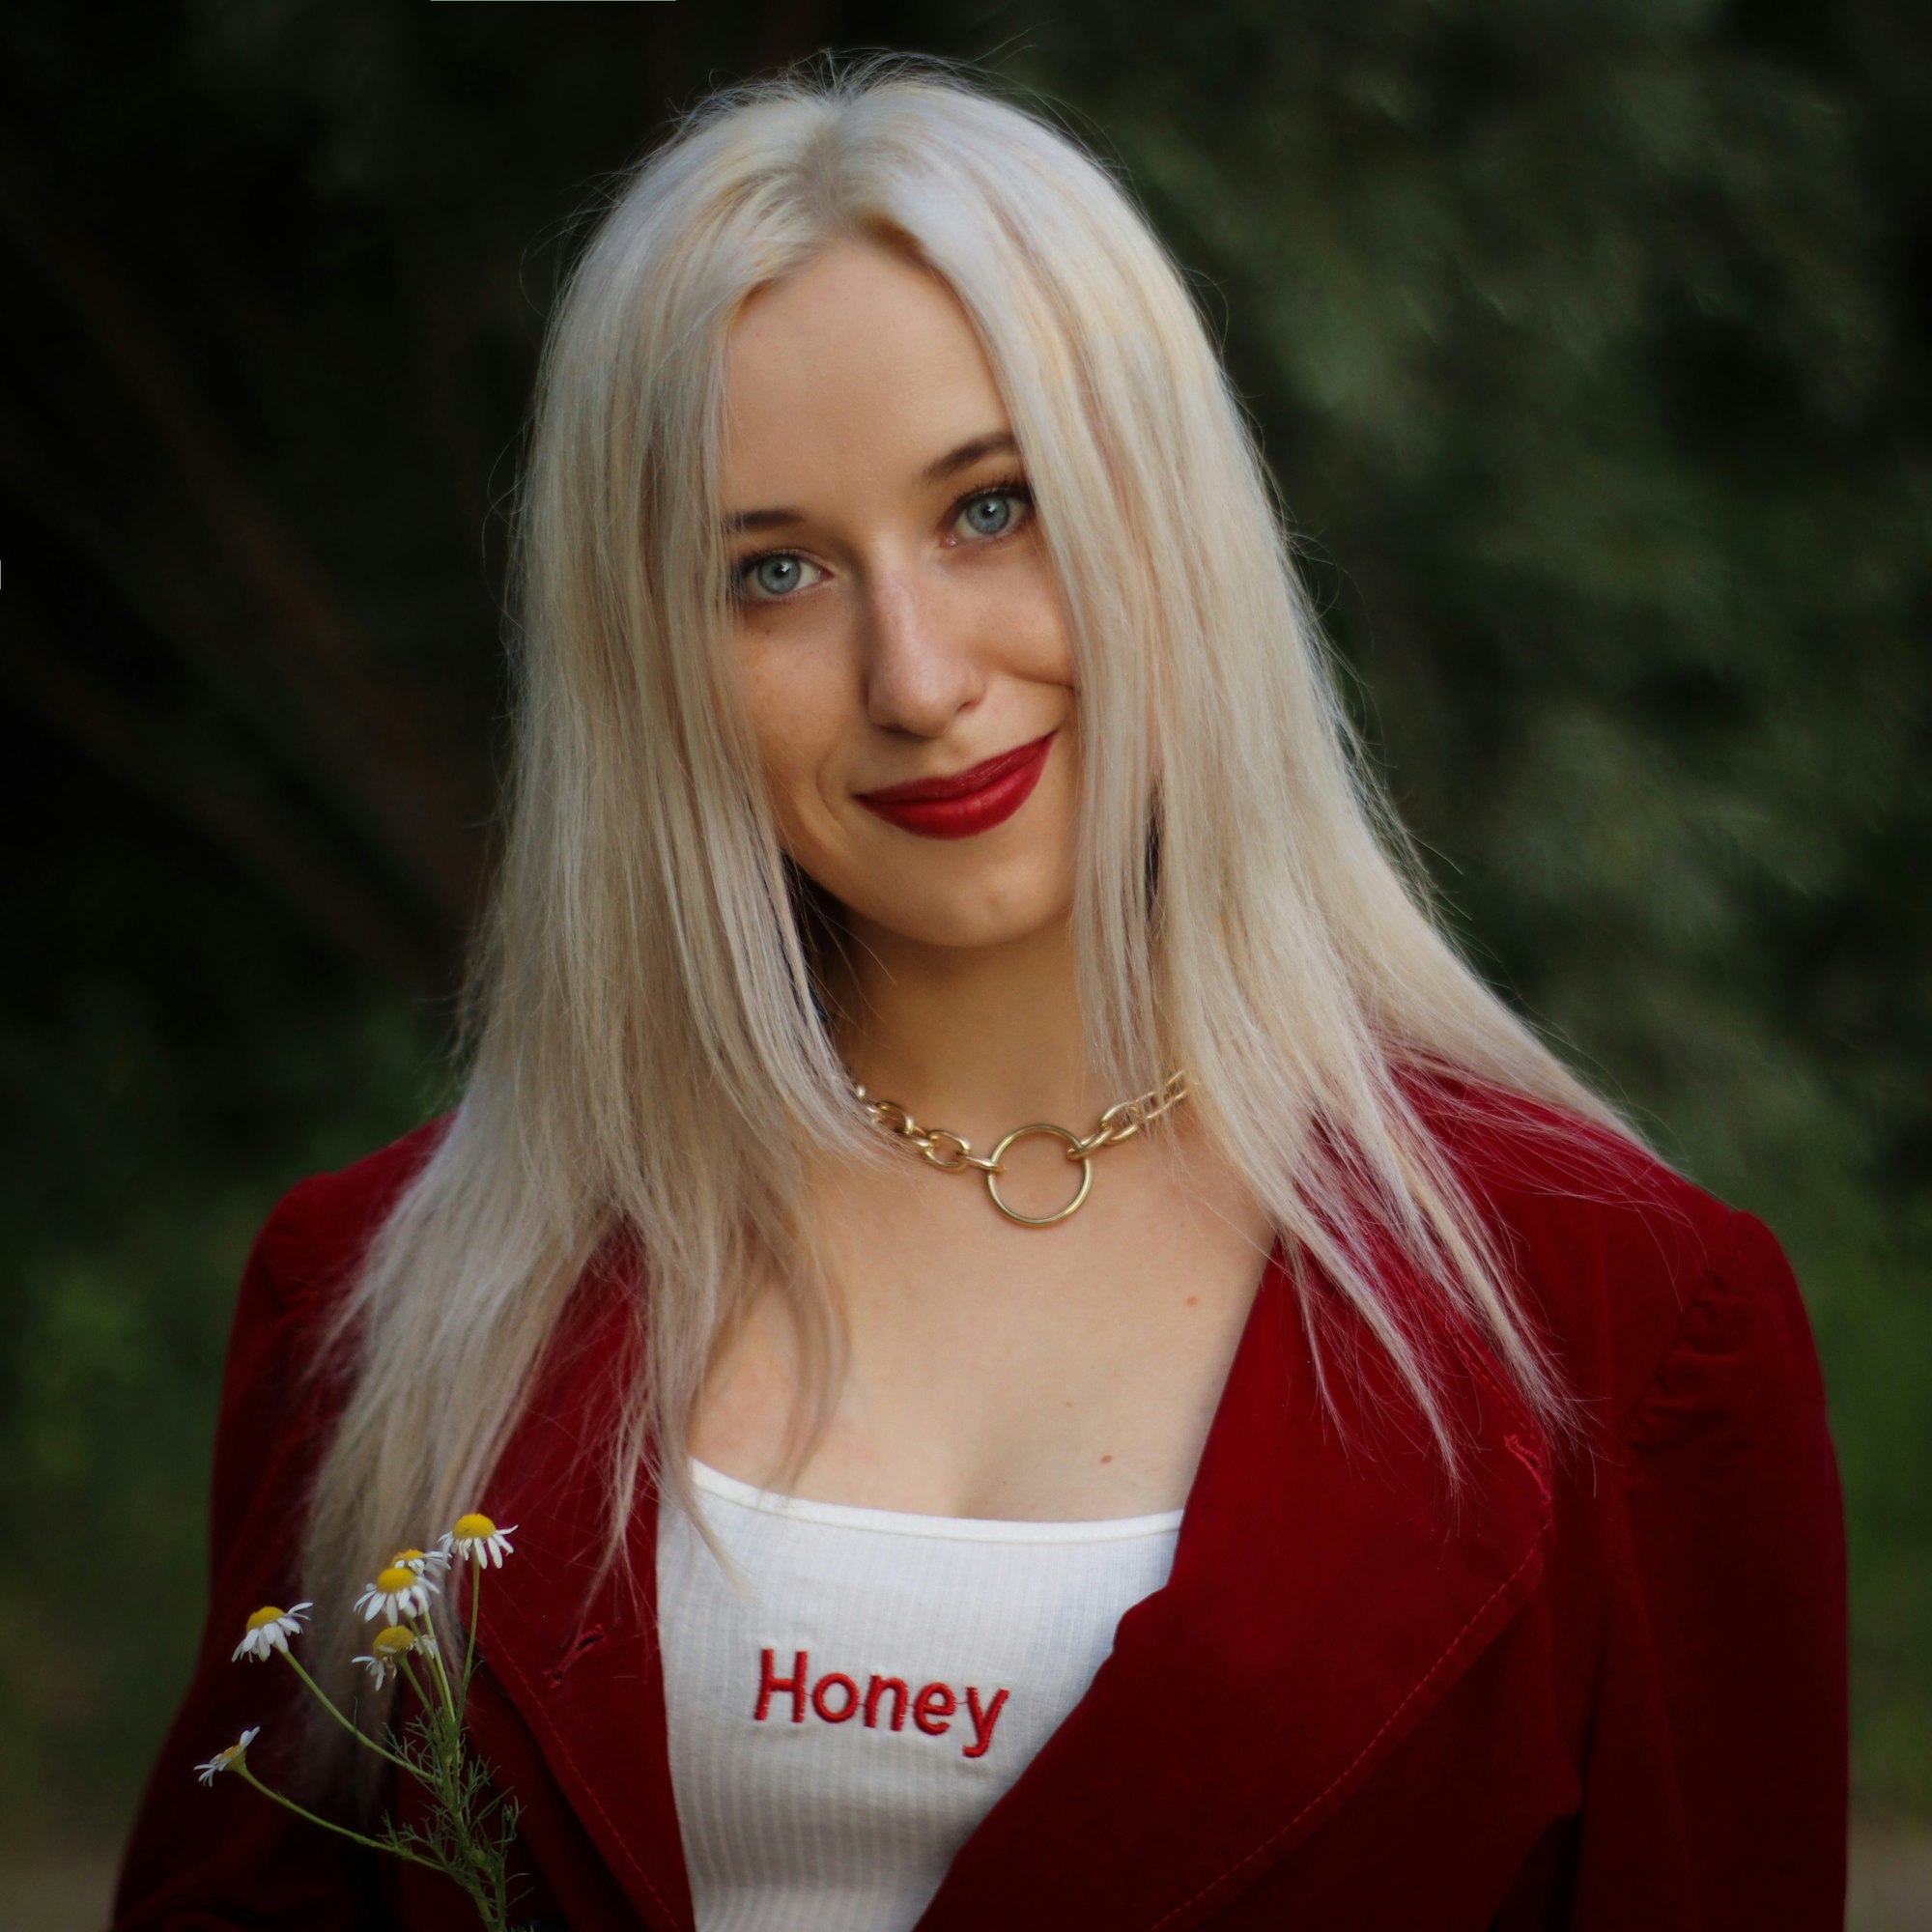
[(920, 663)]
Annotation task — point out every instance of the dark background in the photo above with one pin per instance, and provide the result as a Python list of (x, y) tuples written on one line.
[(1589, 342)]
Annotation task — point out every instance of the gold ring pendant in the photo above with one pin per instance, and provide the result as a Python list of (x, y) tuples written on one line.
[(999, 1155)]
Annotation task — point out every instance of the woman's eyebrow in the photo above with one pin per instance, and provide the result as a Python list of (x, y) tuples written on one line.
[(995, 442)]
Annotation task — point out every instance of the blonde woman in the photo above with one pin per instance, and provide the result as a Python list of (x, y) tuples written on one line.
[(1057, 1359)]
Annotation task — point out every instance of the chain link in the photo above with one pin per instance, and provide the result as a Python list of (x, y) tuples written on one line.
[(953, 1153)]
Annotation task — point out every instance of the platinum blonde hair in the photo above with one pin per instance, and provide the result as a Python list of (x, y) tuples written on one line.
[(643, 1044)]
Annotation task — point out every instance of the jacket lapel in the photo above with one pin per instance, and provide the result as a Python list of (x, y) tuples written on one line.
[(1320, 1604), (584, 1675), (1324, 1595)]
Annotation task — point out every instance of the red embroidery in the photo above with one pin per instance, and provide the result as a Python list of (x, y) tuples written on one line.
[(982, 1720), (936, 1700), (900, 1698), (826, 1683), (834, 1697), (795, 1684)]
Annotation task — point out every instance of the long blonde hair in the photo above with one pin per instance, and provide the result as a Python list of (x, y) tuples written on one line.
[(643, 1045)]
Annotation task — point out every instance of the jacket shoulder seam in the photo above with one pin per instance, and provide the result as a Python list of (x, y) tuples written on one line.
[(288, 1246), (1733, 1226)]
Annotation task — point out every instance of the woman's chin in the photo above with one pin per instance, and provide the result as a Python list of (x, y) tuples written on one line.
[(963, 921)]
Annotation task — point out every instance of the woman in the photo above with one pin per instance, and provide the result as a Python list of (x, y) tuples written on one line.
[(1327, 1471)]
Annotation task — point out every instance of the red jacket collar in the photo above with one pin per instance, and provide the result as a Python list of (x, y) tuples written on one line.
[(1324, 1595)]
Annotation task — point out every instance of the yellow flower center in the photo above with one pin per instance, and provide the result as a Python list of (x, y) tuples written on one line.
[(268, 1614), (393, 1641), (470, 1528), (394, 1581), (403, 1556), (226, 1759)]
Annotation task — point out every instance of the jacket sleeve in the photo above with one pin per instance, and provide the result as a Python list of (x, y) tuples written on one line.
[(1716, 1793), (226, 1857)]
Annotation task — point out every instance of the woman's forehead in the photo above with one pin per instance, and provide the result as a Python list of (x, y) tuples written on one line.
[(862, 365)]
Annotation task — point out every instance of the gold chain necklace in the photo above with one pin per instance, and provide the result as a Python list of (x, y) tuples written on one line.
[(953, 1153)]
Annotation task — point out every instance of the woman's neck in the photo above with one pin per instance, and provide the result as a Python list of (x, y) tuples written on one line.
[(974, 1039)]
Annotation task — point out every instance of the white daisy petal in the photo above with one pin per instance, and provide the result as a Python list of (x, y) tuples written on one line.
[(227, 1760), (475, 1537), (399, 1592), (389, 1648), (269, 1630)]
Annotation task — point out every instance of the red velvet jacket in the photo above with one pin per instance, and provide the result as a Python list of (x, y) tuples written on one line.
[(1602, 1700)]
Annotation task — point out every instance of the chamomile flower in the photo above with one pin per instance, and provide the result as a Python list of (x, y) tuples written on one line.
[(478, 1537), (398, 1592), (269, 1630), (390, 1647), (424, 1562), (229, 1759)]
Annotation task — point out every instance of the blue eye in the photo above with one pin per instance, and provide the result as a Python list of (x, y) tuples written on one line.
[(994, 499), (777, 573), (773, 576)]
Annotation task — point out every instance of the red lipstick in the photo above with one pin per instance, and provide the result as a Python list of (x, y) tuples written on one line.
[(963, 803)]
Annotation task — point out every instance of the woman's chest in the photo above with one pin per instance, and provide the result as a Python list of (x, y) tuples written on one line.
[(1005, 1378), (1328, 1636), (843, 1714)]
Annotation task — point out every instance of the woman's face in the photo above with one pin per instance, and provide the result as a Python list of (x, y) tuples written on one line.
[(897, 619)]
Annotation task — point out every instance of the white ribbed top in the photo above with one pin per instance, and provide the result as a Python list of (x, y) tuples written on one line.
[(836, 1735)]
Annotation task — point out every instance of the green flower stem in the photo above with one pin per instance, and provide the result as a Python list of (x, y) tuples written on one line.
[(436, 1662), (362, 1736), (473, 1864), (414, 1682), (240, 1767), (476, 1604)]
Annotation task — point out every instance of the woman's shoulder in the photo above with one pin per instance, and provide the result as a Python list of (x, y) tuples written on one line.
[(319, 1228), (1627, 1261)]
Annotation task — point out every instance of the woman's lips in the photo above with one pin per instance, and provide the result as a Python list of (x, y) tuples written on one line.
[(967, 801)]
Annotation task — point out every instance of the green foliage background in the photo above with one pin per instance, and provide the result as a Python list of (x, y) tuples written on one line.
[(1588, 342)]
